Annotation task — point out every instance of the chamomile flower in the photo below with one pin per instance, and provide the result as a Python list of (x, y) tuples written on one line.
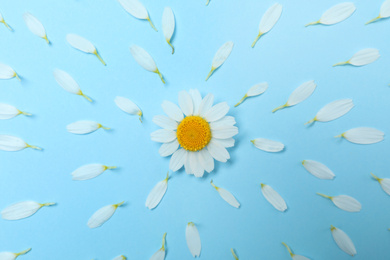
[(196, 133)]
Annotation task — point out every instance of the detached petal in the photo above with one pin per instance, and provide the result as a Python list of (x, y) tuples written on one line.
[(8, 111), (268, 145), (128, 106), (35, 26), (90, 171), (68, 83), (144, 59), (333, 110), (136, 9), (299, 94), (6, 72), (363, 135), (318, 170), (226, 196), (385, 183), (269, 20), (22, 210), (13, 256), (102, 215), (11, 143), (362, 58), (338, 13), (160, 254), (82, 44), (273, 197), (220, 57), (157, 193), (343, 241), (84, 127), (168, 25), (347, 203), (193, 239)]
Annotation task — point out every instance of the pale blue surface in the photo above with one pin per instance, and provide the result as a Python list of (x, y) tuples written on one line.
[(285, 58)]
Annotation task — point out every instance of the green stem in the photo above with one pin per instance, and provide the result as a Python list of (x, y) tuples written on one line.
[(6, 25), (48, 204), (212, 184), (167, 178), (376, 177), (17, 76), (208, 1), (280, 107), (85, 96), (211, 72), (373, 20), (241, 100), (119, 204), (103, 127), (311, 121), (99, 57), (33, 147), (24, 113), (160, 75), (288, 249), (140, 116), (234, 254), (332, 227), (325, 196), (151, 24), (46, 39), (109, 167), (173, 48), (340, 63), (257, 38), (163, 241), (313, 23), (22, 252), (340, 135)]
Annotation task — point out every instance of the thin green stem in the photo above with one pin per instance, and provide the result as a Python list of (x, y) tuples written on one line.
[(48, 204), (33, 147), (99, 57), (288, 249), (325, 196), (211, 72), (341, 63), (23, 252), (109, 167), (212, 184), (376, 177), (85, 96), (24, 113), (311, 121), (313, 23), (234, 254), (119, 204), (103, 127), (160, 75), (163, 241), (17, 76), (151, 24), (46, 39), (257, 38), (374, 19), (241, 100), (173, 48), (6, 25), (280, 107)]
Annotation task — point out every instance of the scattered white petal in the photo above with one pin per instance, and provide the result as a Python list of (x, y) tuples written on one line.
[(5, 23), (146, 61), (220, 57), (102, 215), (168, 25), (84, 127), (256, 90), (268, 145), (157, 193), (193, 239), (13, 256), (318, 170), (383, 13), (336, 14), (68, 83), (160, 254), (333, 110), (90, 171), (227, 196), (6, 72), (268, 20), (8, 111), (11, 143), (22, 210), (294, 256), (343, 241), (82, 44), (273, 197), (362, 57), (137, 9), (299, 94), (128, 106), (121, 257), (35, 26), (344, 202), (385, 183), (363, 135)]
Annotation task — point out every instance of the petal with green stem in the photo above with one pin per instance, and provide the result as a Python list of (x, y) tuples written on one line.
[(220, 57), (35, 26), (299, 94), (22, 210), (255, 90), (89, 171), (273, 197), (193, 239), (68, 83), (333, 110), (11, 143), (84, 127), (363, 135), (268, 20), (8, 111), (226, 196), (157, 193), (84, 45), (168, 25), (336, 14), (128, 106), (102, 215), (137, 9), (343, 241), (143, 58), (318, 169)]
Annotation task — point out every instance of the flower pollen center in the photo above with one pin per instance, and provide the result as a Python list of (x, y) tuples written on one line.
[(193, 133)]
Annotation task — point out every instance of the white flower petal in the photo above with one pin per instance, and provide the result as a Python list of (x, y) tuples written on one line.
[(178, 159), (187, 165), (294, 256), (167, 149), (84, 127), (193, 239), (13, 256), (347, 203), (82, 44), (229, 142), (206, 160), (196, 167), (185, 103), (165, 122), (8, 111), (35, 26), (224, 133), (136, 9), (257, 89), (336, 14), (227, 196), (385, 9), (89, 171), (206, 104), (160, 254), (269, 20), (273, 197), (268, 145), (220, 57), (362, 57), (343, 241), (363, 135), (385, 183), (157, 193), (127, 106), (217, 151), (11, 143), (172, 111), (196, 100), (68, 83), (22, 210), (318, 170), (121, 257), (223, 122), (163, 136), (168, 25), (217, 112), (333, 110), (301, 93), (144, 59), (102, 215), (6, 72)]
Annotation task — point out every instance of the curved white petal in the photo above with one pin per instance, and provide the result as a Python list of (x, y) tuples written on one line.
[(363, 135), (159, 255), (222, 54), (343, 241), (385, 184), (268, 145), (385, 9), (217, 151), (318, 170), (224, 133), (364, 57), (196, 167), (193, 239), (143, 58), (172, 110), (127, 106), (89, 171), (185, 103), (206, 160), (22, 210), (11, 143), (338, 13), (157, 193), (196, 100), (135, 8), (273, 197), (102, 215), (80, 43), (347, 203), (178, 159), (334, 110), (227, 196), (66, 81), (168, 25), (83, 127), (35, 26), (6, 72), (206, 104), (163, 136), (229, 142), (223, 122), (167, 149), (165, 122), (270, 18), (8, 111), (301, 93), (257, 89), (217, 112)]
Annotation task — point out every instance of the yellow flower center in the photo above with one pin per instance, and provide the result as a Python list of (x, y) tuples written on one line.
[(193, 133)]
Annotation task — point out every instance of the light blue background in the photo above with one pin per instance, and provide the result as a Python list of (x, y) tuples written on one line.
[(285, 58)]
